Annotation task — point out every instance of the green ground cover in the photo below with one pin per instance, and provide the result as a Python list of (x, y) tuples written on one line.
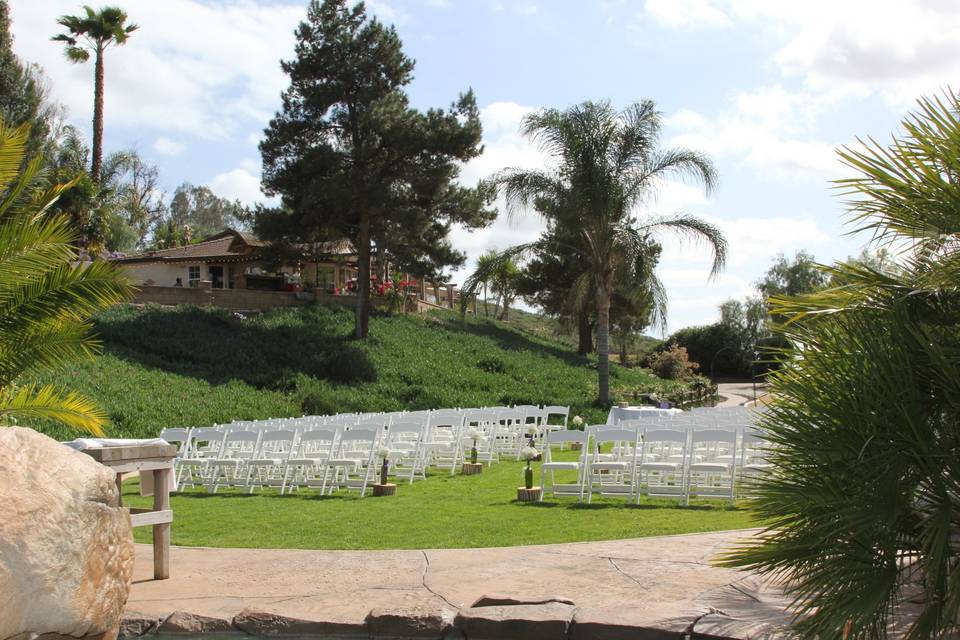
[(164, 367), (439, 512)]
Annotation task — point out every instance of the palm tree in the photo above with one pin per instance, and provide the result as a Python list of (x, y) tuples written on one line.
[(607, 166), (486, 264), (862, 501), (46, 297), (95, 31)]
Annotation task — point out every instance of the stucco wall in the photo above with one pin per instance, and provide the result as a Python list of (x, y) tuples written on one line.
[(162, 275)]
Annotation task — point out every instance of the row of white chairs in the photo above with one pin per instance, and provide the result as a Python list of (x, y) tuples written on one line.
[(343, 451), (637, 459)]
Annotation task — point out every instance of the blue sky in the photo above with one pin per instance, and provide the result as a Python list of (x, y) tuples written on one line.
[(769, 89)]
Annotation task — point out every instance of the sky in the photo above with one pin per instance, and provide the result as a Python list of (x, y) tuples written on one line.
[(768, 88)]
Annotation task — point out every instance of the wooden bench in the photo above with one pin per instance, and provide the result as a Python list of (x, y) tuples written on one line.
[(149, 457)]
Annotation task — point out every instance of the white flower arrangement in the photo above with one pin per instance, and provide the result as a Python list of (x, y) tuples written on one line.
[(475, 434), (533, 430), (528, 453), (577, 421), (383, 453)]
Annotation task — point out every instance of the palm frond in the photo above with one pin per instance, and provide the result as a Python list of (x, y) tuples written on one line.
[(695, 229), (34, 402)]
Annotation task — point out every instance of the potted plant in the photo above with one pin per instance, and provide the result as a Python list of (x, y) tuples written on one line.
[(527, 493), (473, 467), (384, 488)]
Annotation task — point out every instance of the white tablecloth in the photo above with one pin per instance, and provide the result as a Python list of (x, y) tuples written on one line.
[(618, 414)]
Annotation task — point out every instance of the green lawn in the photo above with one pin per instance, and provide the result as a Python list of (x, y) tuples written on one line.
[(439, 512)]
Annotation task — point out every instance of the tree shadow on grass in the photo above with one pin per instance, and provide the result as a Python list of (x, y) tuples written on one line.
[(217, 345)]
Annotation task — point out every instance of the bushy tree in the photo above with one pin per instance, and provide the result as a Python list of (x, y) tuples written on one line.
[(673, 363), (348, 155), (116, 214), (862, 502), (195, 212)]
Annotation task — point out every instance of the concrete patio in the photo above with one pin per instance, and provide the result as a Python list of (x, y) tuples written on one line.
[(660, 587)]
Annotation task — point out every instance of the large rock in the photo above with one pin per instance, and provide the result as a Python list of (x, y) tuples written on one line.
[(66, 548)]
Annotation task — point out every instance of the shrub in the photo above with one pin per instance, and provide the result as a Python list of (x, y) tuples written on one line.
[(672, 364), (319, 402), (714, 347)]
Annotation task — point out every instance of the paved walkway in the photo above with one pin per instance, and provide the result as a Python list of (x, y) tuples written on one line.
[(739, 393), (596, 589)]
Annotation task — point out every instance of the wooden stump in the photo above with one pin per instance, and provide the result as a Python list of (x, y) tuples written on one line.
[(576, 446), (471, 468), (529, 495), (388, 489)]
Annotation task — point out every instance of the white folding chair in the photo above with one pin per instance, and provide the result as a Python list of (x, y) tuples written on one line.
[(551, 466), (229, 468), (180, 438), (613, 473), (660, 469), (354, 466), (712, 470), (406, 441), (306, 467), (203, 446), (445, 431), (267, 467)]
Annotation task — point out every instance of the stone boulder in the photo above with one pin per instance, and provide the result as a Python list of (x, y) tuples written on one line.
[(66, 548)]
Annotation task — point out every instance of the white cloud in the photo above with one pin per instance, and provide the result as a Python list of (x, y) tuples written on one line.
[(193, 67), (675, 14), (168, 147), (771, 129), (238, 184), (897, 48)]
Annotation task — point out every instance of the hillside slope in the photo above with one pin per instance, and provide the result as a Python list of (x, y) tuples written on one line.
[(165, 367)]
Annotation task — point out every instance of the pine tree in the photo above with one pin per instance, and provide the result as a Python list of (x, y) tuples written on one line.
[(348, 155), (23, 99)]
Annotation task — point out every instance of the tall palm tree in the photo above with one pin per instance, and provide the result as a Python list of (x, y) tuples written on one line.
[(46, 297), (94, 32), (607, 166)]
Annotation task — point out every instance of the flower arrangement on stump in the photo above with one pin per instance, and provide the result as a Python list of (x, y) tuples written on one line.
[(385, 488), (533, 431), (527, 493), (473, 467), (577, 423), (475, 435)]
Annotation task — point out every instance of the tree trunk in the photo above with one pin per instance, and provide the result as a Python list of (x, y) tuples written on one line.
[(486, 308), (505, 314), (363, 279), (97, 119), (584, 333), (603, 346), (624, 358)]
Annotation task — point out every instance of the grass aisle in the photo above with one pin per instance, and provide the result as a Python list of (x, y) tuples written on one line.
[(441, 512)]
